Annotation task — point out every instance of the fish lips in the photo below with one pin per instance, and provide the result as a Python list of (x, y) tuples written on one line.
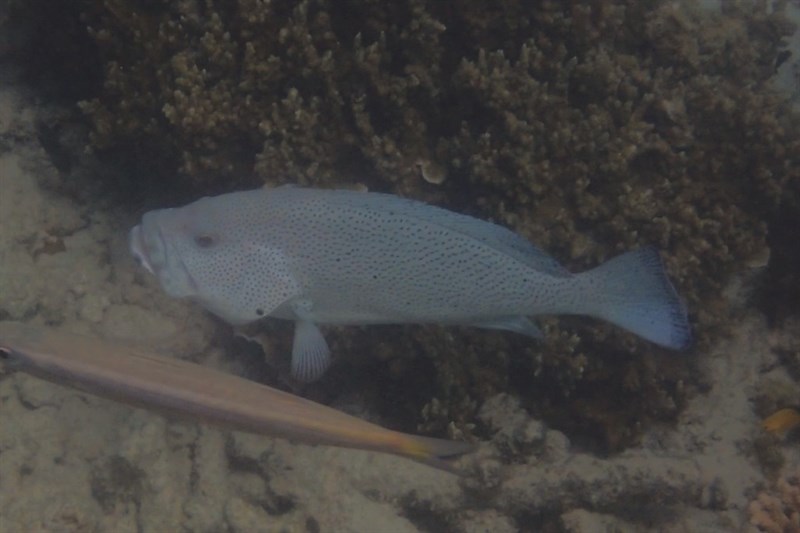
[(138, 249)]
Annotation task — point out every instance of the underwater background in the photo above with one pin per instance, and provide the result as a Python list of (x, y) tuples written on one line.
[(590, 128)]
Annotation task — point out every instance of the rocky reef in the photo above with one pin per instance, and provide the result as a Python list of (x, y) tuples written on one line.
[(590, 128)]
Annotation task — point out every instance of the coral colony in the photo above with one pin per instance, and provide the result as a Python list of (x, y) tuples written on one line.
[(588, 129)]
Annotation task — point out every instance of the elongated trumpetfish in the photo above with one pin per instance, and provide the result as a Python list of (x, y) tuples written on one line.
[(143, 379)]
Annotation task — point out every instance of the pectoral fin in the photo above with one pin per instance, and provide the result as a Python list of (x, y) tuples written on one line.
[(311, 356)]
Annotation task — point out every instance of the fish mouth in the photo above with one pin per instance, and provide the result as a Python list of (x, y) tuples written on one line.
[(153, 254), (139, 249)]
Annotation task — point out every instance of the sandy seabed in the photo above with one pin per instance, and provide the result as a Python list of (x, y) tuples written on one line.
[(73, 462)]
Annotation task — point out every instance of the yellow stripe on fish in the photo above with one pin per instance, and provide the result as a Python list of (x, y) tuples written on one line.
[(187, 389)]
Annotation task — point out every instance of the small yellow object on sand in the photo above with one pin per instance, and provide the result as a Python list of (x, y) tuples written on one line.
[(782, 420)]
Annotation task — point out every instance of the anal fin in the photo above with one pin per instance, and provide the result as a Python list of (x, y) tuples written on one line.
[(517, 324)]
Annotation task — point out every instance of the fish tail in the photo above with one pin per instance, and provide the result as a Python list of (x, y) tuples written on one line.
[(632, 291), (438, 453)]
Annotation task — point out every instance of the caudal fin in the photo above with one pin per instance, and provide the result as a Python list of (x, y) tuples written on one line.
[(633, 292)]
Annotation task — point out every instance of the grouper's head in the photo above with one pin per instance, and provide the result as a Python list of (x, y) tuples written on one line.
[(214, 251), (184, 249), (157, 244)]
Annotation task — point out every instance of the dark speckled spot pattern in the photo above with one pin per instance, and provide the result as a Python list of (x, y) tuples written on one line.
[(362, 258)]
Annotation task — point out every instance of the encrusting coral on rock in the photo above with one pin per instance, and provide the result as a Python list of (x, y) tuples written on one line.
[(589, 128), (777, 511)]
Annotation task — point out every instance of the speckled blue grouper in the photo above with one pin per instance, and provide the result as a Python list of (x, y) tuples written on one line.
[(347, 257)]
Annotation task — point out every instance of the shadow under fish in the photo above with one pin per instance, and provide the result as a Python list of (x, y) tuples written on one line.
[(193, 391)]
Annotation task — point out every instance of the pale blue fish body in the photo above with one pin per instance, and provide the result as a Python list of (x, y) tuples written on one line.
[(347, 257)]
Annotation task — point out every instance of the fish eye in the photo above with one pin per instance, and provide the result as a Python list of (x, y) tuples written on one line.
[(204, 241)]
